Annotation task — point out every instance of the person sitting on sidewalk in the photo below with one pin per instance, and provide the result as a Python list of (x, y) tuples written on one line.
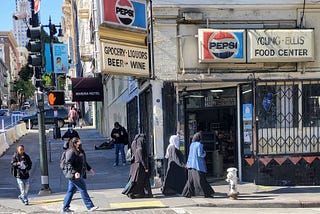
[(68, 135), (105, 145)]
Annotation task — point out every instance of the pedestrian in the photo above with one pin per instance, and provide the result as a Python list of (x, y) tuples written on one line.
[(80, 120), (68, 135), (120, 137), (73, 116), (176, 175), (138, 185), (21, 165), (76, 162), (197, 184)]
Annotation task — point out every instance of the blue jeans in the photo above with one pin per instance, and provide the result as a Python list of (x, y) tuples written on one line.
[(23, 185), (120, 147), (73, 185)]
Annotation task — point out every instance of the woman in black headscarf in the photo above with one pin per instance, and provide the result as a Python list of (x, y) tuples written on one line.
[(138, 185), (197, 184)]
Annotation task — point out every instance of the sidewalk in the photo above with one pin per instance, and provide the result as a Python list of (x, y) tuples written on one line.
[(106, 186)]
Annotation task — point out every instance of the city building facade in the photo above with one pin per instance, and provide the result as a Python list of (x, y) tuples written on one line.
[(246, 74), (10, 57)]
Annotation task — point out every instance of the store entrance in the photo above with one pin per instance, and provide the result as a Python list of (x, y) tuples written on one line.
[(218, 126)]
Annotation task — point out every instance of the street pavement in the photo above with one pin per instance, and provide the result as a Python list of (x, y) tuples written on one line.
[(106, 186)]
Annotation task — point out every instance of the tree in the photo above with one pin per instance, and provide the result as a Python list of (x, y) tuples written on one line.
[(25, 89), (26, 73)]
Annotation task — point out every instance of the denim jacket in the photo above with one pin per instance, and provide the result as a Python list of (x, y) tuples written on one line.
[(196, 157)]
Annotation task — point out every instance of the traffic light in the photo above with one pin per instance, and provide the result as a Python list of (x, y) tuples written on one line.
[(56, 98), (34, 46)]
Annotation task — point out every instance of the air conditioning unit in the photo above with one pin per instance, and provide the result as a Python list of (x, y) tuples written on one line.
[(192, 16)]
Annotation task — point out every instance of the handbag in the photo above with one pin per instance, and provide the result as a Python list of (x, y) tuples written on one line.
[(129, 156)]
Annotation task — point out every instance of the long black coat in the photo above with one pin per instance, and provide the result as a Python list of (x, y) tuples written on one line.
[(176, 175), (138, 185)]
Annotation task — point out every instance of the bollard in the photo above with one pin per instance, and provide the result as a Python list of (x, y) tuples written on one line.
[(232, 179)]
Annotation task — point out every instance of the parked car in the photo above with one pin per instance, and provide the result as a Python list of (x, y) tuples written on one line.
[(62, 118), (4, 112)]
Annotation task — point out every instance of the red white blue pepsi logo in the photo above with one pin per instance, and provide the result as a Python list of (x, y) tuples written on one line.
[(223, 45), (125, 12)]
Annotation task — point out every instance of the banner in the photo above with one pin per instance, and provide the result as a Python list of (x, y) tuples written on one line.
[(60, 58)]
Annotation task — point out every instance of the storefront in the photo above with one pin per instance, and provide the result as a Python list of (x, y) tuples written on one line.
[(214, 112)]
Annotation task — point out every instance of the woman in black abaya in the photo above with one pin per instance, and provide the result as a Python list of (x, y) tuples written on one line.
[(138, 185), (176, 173)]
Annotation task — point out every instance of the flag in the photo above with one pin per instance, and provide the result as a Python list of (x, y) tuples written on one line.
[(36, 6)]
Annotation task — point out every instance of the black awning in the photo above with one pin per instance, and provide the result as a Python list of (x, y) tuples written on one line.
[(87, 89)]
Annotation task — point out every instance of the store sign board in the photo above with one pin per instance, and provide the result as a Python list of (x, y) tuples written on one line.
[(288, 45), (125, 13), (125, 60), (217, 45)]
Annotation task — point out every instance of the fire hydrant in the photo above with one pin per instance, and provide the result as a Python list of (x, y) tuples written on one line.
[(232, 179)]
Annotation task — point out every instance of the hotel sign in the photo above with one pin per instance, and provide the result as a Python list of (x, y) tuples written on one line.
[(289, 45), (125, 60)]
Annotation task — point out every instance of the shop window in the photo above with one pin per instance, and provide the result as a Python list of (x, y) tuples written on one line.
[(277, 106), (311, 105)]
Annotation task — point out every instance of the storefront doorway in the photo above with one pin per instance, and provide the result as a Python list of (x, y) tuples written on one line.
[(215, 115)]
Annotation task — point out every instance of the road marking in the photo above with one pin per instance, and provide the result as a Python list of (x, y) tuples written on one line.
[(137, 204), (48, 201)]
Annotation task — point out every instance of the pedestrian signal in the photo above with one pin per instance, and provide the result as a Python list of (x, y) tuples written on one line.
[(56, 98)]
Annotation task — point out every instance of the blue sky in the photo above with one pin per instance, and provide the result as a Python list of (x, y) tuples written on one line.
[(47, 8)]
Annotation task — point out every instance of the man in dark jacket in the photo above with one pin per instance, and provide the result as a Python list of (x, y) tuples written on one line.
[(68, 135), (22, 164), (120, 137)]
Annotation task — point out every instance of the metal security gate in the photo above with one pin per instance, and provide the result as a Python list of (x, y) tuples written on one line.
[(281, 144), (132, 118)]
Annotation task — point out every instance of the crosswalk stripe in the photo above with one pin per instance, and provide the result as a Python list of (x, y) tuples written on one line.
[(137, 204), (48, 201)]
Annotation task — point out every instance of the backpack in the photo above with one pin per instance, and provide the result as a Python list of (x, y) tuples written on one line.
[(63, 160), (125, 137), (63, 166)]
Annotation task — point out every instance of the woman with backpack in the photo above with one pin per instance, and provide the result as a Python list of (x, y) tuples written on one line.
[(76, 165)]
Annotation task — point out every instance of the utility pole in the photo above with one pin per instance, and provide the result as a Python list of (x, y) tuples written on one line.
[(45, 189)]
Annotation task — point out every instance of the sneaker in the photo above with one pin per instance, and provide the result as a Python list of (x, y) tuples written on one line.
[(115, 164), (26, 202), (68, 210), (93, 209)]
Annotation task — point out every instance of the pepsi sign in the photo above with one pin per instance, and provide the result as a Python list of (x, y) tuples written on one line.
[(126, 13), (221, 45)]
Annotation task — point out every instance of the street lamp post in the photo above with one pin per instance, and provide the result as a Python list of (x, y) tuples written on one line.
[(54, 82)]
